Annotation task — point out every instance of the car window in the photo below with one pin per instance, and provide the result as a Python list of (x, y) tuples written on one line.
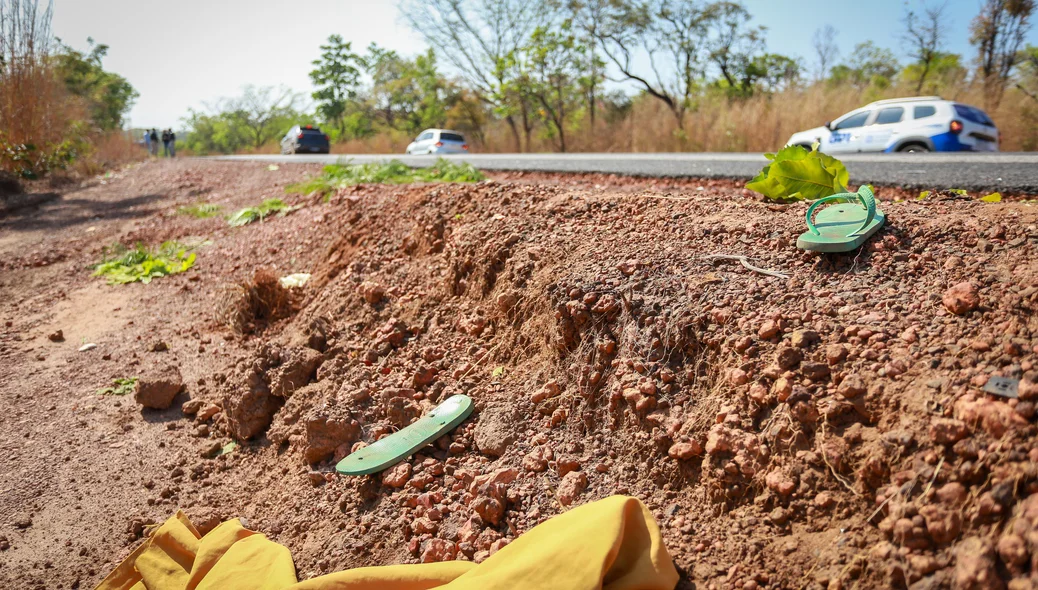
[(856, 120), (451, 137), (973, 114), (923, 112), (424, 136), (889, 115)]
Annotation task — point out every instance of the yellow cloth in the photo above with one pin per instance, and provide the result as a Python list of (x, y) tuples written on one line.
[(612, 543)]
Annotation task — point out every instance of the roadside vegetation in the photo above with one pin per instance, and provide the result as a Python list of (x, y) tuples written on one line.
[(337, 176), (121, 386), (59, 108), (200, 210), (120, 265), (530, 76), (260, 212)]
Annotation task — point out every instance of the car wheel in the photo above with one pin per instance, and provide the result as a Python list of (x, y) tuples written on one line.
[(913, 148)]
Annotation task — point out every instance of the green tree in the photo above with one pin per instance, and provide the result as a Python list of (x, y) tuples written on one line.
[(337, 78), (251, 120), (734, 47), (554, 76), (944, 71), (480, 39), (924, 35), (869, 65), (408, 94), (108, 96)]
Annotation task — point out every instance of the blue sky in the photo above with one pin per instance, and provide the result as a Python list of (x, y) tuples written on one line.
[(182, 53)]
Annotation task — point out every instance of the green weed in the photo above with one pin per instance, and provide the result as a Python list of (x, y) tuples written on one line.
[(259, 213), (200, 210), (119, 387), (336, 176), (121, 265)]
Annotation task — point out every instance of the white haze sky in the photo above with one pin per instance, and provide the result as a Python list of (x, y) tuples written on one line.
[(181, 53)]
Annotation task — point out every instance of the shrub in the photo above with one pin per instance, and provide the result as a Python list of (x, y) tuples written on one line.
[(142, 264)]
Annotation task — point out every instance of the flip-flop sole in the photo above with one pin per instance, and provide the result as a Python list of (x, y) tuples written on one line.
[(834, 223), (389, 451)]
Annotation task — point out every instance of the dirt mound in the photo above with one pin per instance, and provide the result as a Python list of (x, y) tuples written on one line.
[(830, 423), (829, 430)]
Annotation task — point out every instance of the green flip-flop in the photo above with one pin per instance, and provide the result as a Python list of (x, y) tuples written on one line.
[(842, 227), (389, 451)]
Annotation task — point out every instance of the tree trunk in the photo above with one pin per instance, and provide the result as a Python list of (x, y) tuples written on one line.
[(515, 132)]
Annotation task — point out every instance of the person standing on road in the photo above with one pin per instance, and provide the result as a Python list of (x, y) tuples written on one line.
[(154, 143), (147, 140), (172, 144), (165, 142)]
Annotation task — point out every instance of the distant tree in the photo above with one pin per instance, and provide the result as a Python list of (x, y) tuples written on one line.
[(553, 57), (924, 35), (670, 34), (869, 65), (257, 116), (337, 78), (480, 39), (407, 94), (824, 43), (108, 96), (1028, 82), (944, 72), (734, 47), (998, 33)]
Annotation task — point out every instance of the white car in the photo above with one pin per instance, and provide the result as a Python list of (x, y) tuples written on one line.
[(438, 141), (918, 124)]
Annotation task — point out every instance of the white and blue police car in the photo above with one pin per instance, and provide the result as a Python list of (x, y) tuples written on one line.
[(916, 124)]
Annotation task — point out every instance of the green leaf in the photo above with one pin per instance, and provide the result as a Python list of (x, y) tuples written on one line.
[(992, 198), (959, 191), (923, 195), (795, 174), (227, 448), (497, 372)]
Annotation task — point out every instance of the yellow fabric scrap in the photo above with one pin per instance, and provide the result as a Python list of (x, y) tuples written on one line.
[(612, 544)]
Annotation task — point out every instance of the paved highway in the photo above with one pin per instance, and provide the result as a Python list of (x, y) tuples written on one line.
[(980, 172)]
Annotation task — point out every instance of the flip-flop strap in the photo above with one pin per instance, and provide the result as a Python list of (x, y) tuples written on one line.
[(864, 195)]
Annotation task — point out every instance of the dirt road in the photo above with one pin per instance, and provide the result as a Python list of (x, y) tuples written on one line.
[(824, 431)]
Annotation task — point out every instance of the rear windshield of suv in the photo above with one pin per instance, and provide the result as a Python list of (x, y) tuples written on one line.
[(973, 114), (312, 132), (451, 137)]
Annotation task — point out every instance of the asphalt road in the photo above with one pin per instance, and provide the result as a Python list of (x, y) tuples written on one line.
[(1016, 172)]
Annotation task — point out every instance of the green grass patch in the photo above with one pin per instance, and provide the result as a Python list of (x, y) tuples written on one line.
[(121, 265), (119, 387), (200, 210), (260, 212), (336, 176)]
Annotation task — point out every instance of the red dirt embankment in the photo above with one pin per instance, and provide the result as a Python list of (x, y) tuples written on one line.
[(827, 430)]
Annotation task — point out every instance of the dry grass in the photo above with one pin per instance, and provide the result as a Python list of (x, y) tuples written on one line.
[(757, 124), (250, 305)]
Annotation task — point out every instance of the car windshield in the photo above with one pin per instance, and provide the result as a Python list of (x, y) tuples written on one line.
[(451, 137), (973, 114), (314, 131), (855, 120)]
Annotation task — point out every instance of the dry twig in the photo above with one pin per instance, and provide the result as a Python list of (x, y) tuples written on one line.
[(743, 260)]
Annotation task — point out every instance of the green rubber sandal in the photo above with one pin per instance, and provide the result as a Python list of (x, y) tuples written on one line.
[(389, 451), (842, 227)]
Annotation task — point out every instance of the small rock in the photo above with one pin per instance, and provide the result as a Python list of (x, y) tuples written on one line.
[(975, 566), (787, 357), (372, 292), (436, 550), (22, 521), (768, 329), (207, 412), (685, 450), (815, 371), (538, 459), (572, 485), (87, 346), (159, 346), (961, 299), (158, 389), (946, 431), (852, 386), (834, 353), (58, 336), (316, 478), (804, 338), (191, 406), (397, 475)]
